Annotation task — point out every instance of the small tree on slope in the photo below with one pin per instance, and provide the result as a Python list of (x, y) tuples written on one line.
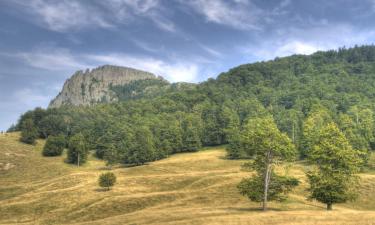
[(269, 147), (29, 132), (77, 150), (107, 180), (333, 180)]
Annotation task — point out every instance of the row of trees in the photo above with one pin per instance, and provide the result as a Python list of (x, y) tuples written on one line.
[(334, 163)]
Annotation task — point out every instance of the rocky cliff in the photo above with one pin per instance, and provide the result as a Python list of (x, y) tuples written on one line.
[(95, 86)]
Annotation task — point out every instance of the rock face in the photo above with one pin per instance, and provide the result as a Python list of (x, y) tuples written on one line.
[(90, 87)]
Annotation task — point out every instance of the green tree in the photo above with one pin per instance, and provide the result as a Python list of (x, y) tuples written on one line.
[(29, 132), (52, 125), (107, 180), (142, 148), (333, 180), (191, 134), (318, 118), (111, 155), (235, 147), (54, 146), (77, 150), (355, 137), (269, 147)]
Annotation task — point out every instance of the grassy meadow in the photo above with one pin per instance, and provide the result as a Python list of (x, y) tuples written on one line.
[(188, 188)]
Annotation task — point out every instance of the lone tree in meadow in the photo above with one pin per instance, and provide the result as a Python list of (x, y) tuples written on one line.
[(29, 132), (333, 179), (269, 147), (77, 150), (107, 180)]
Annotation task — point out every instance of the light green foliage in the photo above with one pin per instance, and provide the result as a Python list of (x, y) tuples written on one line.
[(333, 180), (77, 150), (269, 147), (318, 118), (278, 189), (107, 180)]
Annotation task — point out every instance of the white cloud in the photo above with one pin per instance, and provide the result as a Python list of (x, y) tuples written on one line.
[(66, 15), (307, 41), (239, 14), (59, 59), (211, 50), (52, 59), (288, 48), (29, 98)]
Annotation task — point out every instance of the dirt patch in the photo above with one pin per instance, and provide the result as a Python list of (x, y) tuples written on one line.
[(6, 166), (13, 154)]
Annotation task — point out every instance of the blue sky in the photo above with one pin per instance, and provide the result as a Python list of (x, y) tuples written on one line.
[(42, 42)]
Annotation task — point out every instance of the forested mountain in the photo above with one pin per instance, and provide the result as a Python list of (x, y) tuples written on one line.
[(301, 92)]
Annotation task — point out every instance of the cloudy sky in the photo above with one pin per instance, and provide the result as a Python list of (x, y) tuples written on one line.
[(42, 42)]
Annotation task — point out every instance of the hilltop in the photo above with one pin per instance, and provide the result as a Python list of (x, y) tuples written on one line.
[(188, 188), (96, 85)]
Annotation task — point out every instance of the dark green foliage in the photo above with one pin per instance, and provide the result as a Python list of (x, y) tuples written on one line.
[(54, 145), (142, 147), (140, 88), (52, 125), (77, 150), (107, 180), (328, 86), (29, 132), (12, 128)]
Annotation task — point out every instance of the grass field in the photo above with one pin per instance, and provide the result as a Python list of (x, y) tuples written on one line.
[(190, 188)]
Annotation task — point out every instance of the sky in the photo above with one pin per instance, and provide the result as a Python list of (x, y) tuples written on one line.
[(43, 42)]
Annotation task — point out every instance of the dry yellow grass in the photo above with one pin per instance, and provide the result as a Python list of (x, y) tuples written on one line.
[(190, 188)]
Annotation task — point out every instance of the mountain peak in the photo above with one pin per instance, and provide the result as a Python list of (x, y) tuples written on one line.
[(94, 86)]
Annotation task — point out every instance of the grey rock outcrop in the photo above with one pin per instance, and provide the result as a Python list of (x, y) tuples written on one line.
[(94, 86)]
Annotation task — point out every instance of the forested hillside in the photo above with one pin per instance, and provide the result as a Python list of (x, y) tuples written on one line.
[(302, 93)]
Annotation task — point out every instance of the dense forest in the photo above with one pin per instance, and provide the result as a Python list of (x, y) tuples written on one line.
[(300, 93)]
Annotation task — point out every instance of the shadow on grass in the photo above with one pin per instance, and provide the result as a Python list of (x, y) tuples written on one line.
[(254, 209), (102, 189)]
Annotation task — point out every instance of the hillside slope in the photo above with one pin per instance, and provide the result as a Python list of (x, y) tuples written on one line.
[(188, 188)]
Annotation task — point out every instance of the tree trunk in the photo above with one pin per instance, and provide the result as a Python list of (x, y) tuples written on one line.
[(267, 177), (78, 159), (329, 206), (293, 137)]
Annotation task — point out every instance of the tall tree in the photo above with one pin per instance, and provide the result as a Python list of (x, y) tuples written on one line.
[(270, 147), (142, 149), (29, 132), (318, 118), (77, 150), (336, 162)]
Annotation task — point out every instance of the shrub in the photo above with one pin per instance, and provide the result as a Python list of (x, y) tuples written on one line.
[(107, 180), (54, 146)]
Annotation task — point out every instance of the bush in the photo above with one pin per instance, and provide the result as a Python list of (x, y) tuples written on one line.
[(54, 146), (107, 180)]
